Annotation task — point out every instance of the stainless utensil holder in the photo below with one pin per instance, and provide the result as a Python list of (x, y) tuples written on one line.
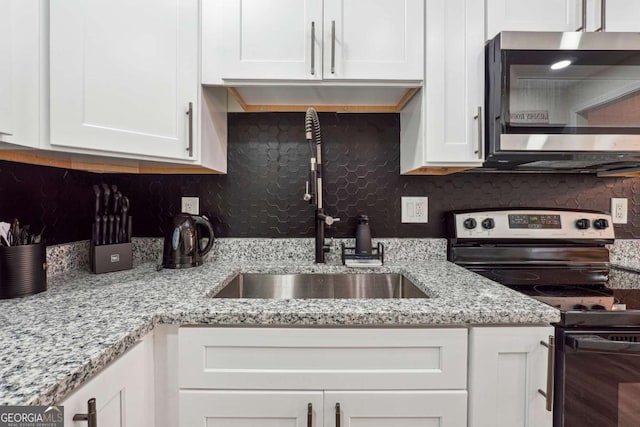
[(23, 270), (108, 258)]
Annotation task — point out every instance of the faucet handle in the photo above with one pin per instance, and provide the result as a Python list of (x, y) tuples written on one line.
[(329, 220)]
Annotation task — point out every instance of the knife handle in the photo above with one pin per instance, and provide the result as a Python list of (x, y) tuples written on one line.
[(117, 229), (129, 229), (111, 219), (104, 229)]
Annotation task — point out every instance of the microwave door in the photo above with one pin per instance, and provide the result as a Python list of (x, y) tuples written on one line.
[(576, 106)]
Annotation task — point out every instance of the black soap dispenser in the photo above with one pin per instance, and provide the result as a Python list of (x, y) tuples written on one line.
[(363, 236)]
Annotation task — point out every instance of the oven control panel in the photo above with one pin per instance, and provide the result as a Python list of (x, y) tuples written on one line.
[(532, 224)]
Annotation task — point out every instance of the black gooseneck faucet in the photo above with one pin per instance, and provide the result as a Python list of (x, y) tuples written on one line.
[(313, 191)]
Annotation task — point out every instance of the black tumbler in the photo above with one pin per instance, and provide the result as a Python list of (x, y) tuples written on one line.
[(23, 270)]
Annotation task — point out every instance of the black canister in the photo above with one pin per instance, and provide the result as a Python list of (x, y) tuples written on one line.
[(23, 270), (363, 236)]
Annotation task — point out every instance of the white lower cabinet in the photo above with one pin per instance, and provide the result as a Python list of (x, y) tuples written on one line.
[(124, 391), (395, 408), (250, 408), (212, 408), (507, 367), (268, 377)]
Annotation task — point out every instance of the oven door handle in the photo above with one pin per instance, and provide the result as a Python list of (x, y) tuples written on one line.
[(597, 344)]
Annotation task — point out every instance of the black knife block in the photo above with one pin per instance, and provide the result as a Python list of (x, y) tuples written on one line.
[(23, 270), (108, 258)]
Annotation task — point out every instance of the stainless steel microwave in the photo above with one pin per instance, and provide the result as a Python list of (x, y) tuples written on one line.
[(563, 102)]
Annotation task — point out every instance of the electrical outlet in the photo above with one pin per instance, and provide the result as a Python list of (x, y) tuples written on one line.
[(619, 210), (191, 205), (415, 209)]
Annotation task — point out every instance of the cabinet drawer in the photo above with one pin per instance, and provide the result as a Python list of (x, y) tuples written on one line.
[(339, 359)]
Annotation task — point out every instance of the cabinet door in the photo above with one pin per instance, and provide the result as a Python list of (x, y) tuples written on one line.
[(395, 409), (276, 39), (454, 84), (526, 15), (123, 391), (123, 73), (620, 15), (6, 68), (224, 408), (373, 39), (23, 84), (507, 367)]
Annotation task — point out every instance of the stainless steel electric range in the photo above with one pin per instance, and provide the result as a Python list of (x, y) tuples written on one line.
[(561, 257)]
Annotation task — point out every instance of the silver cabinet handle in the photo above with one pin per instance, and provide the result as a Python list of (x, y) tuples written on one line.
[(479, 152), (313, 48), (603, 16), (6, 133), (333, 47), (190, 114), (91, 417), (337, 414), (551, 347), (310, 415), (584, 16)]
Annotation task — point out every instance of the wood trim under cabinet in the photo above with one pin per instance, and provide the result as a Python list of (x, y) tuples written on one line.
[(283, 108), (98, 164), (438, 171)]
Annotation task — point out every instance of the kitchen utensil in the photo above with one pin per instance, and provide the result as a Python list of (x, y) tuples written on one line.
[(106, 194), (96, 230), (114, 191), (24, 235), (124, 211), (14, 233), (37, 238), (118, 230), (111, 224), (117, 196), (105, 219), (96, 191), (182, 245), (4, 232), (129, 228)]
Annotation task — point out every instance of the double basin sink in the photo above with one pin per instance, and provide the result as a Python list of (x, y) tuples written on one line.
[(310, 286)]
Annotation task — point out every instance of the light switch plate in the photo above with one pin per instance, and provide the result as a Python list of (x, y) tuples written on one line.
[(191, 205), (415, 210)]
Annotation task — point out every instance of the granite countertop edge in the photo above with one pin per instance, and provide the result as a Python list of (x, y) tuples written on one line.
[(115, 310)]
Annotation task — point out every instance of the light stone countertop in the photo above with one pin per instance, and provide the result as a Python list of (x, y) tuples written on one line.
[(55, 341)]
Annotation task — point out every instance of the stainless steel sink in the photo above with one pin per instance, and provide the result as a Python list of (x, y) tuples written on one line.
[(290, 286)]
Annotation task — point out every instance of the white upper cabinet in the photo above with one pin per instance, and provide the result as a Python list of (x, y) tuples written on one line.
[(442, 126), (6, 68), (123, 76), (373, 39), (620, 15), (312, 40), (23, 82), (526, 15), (276, 39)]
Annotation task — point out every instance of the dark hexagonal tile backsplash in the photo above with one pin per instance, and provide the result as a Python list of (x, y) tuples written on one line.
[(261, 196)]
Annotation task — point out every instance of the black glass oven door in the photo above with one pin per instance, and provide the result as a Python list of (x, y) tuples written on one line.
[(601, 372)]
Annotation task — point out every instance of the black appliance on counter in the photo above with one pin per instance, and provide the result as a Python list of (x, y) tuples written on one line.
[(560, 257), (562, 102), (182, 241)]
